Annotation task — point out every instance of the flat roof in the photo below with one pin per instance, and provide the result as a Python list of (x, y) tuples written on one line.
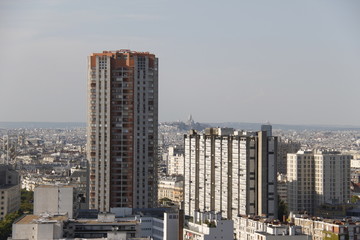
[(28, 219)]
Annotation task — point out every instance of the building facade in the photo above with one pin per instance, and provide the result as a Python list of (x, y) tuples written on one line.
[(285, 146), (327, 229), (171, 188), (316, 178), (60, 199), (208, 226), (260, 228), (175, 160), (10, 196), (122, 129), (233, 173)]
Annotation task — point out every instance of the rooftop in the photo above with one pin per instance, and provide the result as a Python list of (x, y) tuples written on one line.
[(29, 219)]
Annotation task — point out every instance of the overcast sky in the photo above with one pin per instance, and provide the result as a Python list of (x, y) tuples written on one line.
[(294, 62)]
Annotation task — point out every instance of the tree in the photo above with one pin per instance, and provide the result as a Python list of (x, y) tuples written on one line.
[(282, 209), (6, 224), (27, 200), (26, 206), (354, 199)]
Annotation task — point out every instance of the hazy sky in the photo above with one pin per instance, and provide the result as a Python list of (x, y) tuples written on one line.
[(295, 62)]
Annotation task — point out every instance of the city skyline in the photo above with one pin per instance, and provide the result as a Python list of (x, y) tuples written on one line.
[(294, 63)]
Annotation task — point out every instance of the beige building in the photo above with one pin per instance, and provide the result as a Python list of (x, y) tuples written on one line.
[(10, 196), (39, 227), (122, 129), (172, 188), (317, 178), (327, 229)]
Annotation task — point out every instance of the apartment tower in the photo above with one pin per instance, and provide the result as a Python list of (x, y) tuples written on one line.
[(316, 178), (122, 129), (230, 172)]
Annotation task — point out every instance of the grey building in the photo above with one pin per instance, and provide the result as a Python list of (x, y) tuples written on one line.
[(230, 172), (55, 200), (10, 196)]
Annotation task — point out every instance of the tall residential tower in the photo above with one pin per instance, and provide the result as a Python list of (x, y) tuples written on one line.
[(230, 172), (122, 129)]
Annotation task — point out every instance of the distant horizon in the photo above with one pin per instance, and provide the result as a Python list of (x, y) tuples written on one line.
[(38, 123)]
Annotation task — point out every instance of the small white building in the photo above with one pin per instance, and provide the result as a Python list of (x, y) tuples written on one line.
[(260, 228), (208, 226), (39, 227), (175, 161), (54, 199)]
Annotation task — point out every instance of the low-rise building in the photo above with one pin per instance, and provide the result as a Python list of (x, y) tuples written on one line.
[(208, 226), (121, 224), (261, 228), (171, 188), (39, 227), (55, 199), (327, 229)]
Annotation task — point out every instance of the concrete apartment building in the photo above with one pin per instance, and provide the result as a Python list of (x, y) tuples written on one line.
[(175, 161), (122, 129), (316, 178), (10, 196), (285, 146), (230, 172)]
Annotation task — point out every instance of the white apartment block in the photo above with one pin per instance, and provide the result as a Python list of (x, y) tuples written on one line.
[(175, 161), (231, 173), (316, 178)]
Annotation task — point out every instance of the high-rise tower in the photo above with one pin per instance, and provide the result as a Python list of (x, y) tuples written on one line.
[(230, 172), (122, 129)]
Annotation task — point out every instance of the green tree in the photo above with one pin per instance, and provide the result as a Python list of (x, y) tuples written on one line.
[(6, 224), (27, 200), (354, 199), (26, 206), (282, 209)]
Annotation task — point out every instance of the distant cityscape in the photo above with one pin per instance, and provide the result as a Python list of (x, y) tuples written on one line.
[(125, 175)]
